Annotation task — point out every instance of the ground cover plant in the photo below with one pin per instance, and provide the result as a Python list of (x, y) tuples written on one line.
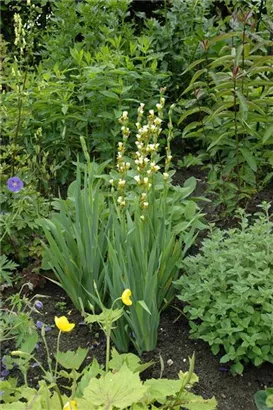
[(228, 291)]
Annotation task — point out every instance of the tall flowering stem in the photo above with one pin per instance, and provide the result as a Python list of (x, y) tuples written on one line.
[(145, 157)]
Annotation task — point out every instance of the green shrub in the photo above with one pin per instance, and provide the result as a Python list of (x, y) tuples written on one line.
[(228, 288), (227, 107)]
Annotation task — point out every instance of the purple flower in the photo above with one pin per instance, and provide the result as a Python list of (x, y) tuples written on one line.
[(223, 369), (38, 304), (39, 324), (5, 372), (34, 364), (4, 359), (14, 184)]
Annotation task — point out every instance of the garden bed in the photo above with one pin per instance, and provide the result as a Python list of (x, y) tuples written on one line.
[(174, 343), (174, 346)]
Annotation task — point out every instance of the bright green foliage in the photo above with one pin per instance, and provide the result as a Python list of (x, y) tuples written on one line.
[(228, 288), (77, 237), (228, 108), (264, 399), (177, 40), (16, 321), (6, 268), (93, 66), (117, 389), (19, 222), (131, 237)]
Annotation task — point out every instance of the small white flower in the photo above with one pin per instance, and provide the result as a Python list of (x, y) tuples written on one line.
[(145, 204), (152, 113), (165, 176), (137, 179), (125, 115), (143, 195), (111, 181), (145, 181), (158, 121), (142, 217), (121, 183), (121, 201), (127, 165), (162, 100)]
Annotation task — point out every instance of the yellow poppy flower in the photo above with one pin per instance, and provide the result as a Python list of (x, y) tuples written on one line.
[(125, 297), (63, 324), (70, 405)]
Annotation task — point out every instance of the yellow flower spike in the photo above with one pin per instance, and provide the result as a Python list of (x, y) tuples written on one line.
[(125, 297), (63, 324), (70, 405)]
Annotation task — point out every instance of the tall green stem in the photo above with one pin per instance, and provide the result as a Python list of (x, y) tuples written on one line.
[(57, 351)]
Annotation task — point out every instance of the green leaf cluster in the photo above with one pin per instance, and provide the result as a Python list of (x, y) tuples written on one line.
[(228, 290), (120, 388), (227, 108)]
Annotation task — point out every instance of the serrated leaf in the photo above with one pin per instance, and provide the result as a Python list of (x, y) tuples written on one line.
[(89, 372), (120, 390), (193, 402), (71, 359), (159, 389)]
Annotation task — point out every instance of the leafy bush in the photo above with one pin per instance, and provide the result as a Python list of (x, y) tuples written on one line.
[(16, 318), (228, 288), (6, 268), (19, 222), (228, 108)]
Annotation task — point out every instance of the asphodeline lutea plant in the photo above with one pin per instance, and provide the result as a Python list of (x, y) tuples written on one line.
[(143, 249), (144, 165)]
